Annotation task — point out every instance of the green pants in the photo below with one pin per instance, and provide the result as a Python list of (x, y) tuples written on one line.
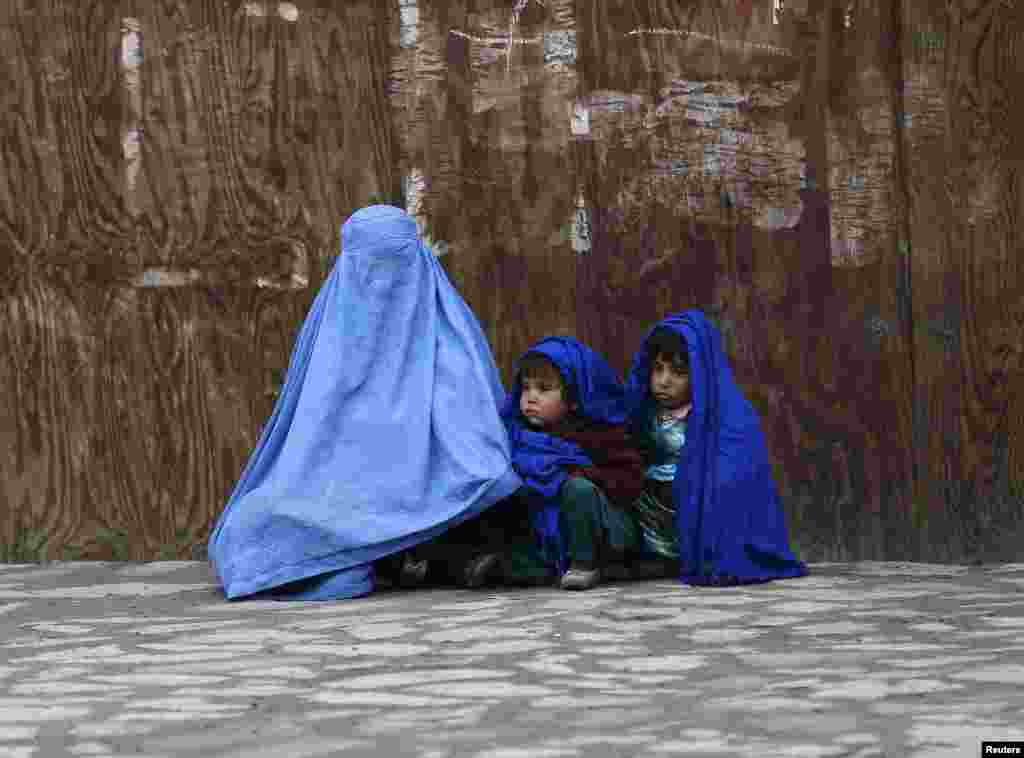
[(593, 528), (596, 530)]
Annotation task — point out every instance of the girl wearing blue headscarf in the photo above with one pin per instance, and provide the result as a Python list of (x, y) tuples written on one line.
[(566, 418), (709, 499), (386, 433)]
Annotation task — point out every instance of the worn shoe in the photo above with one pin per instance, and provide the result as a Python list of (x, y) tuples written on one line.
[(580, 579), (482, 570), (413, 572)]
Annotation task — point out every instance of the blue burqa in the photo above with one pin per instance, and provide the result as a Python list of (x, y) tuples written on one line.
[(732, 528), (385, 435), (539, 458)]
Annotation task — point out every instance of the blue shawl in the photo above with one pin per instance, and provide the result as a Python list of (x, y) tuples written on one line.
[(731, 524), (385, 435), (540, 458)]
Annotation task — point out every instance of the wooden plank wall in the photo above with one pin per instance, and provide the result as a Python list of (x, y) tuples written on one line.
[(172, 179), (841, 191)]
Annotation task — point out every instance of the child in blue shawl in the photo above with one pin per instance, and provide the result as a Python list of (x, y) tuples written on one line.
[(709, 497), (566, 418)]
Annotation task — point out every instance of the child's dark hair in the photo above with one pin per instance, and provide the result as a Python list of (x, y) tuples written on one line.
[(535, 365), (668, 345)]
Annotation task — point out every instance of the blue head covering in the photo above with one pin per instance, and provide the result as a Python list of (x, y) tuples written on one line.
[(731, 524), (540, 458), (386, 432)]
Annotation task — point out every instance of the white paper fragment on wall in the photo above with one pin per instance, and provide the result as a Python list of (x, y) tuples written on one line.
[(415, 185), (671, 167), (409, 14), (775, 218), (705, 106), (131, 44), (718, 39), (848, 253), (415, 188), (162, 277), (288, 11), (712, 161), (131, 146), (256, 8), (131, 137), (581, 237), (806, 183), (580, 119), (560, 48), (613, 101)]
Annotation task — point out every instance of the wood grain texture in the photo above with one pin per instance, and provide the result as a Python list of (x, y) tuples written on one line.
[(489, 133), (964, 213), (174, 175), (842, 195)]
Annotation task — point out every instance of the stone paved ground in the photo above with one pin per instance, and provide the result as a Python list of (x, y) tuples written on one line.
[(857, 660)]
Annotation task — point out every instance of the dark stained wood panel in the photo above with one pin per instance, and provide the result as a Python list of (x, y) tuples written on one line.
[(173, 176), (841, 191)]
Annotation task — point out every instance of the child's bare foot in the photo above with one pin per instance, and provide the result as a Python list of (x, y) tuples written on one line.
[(582, 575)]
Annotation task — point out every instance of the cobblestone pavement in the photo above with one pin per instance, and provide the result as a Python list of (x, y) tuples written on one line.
[(856, 660)]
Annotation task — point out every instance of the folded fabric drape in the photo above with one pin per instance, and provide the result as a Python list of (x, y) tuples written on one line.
[(386, 433), (729, 517)]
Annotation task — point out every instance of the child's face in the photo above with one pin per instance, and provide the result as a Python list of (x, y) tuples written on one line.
[(670, 384), (542, 402)]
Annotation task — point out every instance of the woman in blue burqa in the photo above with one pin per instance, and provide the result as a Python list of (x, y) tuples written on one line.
[(386, 433), (717, 511)]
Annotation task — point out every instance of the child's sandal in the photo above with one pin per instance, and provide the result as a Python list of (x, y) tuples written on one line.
[(580, 579), (482, 570), (413, 572)]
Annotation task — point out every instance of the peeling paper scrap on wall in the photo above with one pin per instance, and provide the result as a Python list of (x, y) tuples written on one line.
[(776, 218), (579, 122), (671, 167), (286, 11), (612, 101), (560, 48), (848, 253), (726, 43), (415, 185), (581, 231), (409, 13), (163, 277)]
